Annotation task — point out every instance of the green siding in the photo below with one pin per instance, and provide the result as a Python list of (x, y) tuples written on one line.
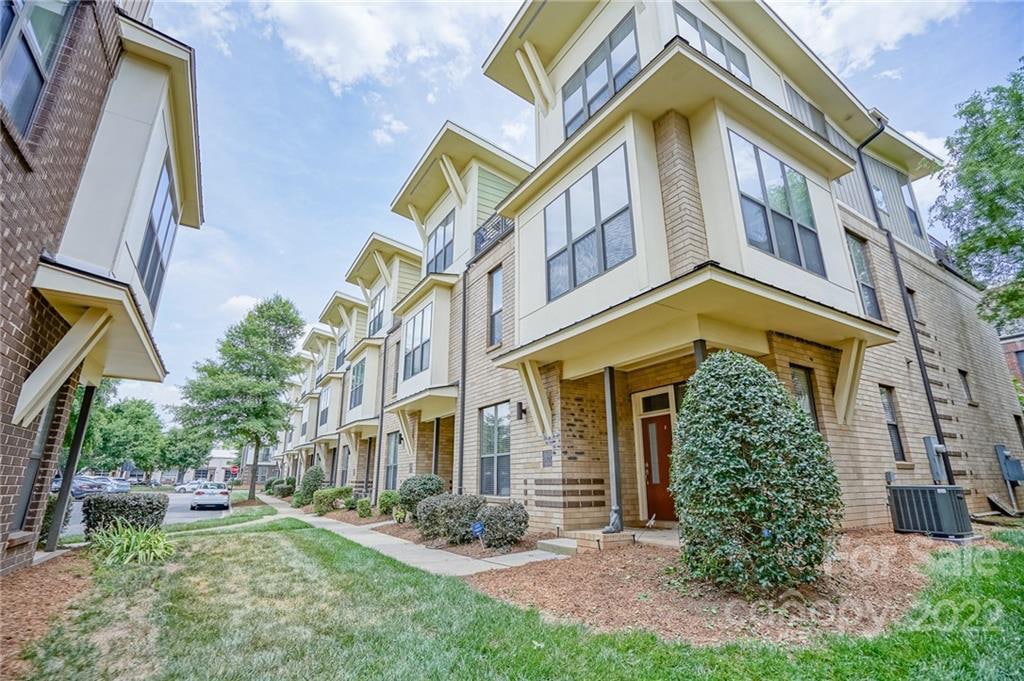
[(491, 189)]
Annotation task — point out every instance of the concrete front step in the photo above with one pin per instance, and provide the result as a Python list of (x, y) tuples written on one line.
[(561, 545), (595, 540)]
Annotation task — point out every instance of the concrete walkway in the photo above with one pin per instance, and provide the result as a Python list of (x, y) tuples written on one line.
[(437, 561)]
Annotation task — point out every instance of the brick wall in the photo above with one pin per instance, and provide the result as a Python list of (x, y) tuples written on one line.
[(1010, 350), (39, 174), (680, 194)]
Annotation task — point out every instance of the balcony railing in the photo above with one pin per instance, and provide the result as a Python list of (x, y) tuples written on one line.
[(490, 231)]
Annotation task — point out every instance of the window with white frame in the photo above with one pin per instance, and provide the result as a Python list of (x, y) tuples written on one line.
[(355, 391), (416, 342), (31, 33), (807, 113), (588, 229), (606, 71), (161, 228), (908, 201), (346, 454), (441, 245), (495, 450), (495, 294), (325, 404), (339, 358), (391, 460), (376, 313), (803, 391), (776, 206), (888, 396), (711, 43), (862, 271)]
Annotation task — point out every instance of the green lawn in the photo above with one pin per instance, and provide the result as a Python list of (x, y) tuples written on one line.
[(239, 515), (292, 602)]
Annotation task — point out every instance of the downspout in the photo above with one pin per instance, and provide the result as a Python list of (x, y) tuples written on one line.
[(907, 309), (380, 418), (462, 378)]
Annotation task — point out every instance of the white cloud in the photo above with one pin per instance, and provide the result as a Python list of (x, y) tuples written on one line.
[(164, 395), (213, 19), (237, 306), (891, 74), (387, 127), (348, 43), (927, 189), (848, 35), (517, 133)]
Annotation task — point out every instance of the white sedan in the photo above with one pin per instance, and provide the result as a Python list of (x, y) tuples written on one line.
[(188, 486), (211, 494)]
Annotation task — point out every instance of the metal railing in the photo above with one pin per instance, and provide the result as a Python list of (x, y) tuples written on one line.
[(490, 231)]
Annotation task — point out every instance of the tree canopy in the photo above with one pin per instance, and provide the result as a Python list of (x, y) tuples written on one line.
[(105, 394), (238, 398), (982, 201), (184, 448), (129, 431)]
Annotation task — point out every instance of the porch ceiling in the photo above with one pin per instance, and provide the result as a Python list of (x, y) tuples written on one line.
[(363, 427), (725, 309), (432, 403)]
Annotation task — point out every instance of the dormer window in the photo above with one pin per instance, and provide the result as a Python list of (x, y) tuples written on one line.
[(159, 238), (613, 64), (441, 245), (376, 313)]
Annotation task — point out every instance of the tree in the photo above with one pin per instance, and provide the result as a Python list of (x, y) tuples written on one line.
[(982, 201), (105, 393), (239, 398), (130, 431), (756, 492), (184, 448)]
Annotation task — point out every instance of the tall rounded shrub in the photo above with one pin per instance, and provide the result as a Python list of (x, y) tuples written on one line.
[(755, 489), (415, 489), (311, 482)]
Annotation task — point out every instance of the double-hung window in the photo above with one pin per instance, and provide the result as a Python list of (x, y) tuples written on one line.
[(807, 113), (908, 201), (606, 71), (325, 404), (391, 462), (892, 422), (803, 391), (589, 228), (495, 450), (494, 292), (346, 454), (305, 420), (376, 313), (776, 206), (441, 245), (711, 43), (319, 369), (862, 271), (355, 391), (339, 358), (161, 228), (31, 34), (416, 342)]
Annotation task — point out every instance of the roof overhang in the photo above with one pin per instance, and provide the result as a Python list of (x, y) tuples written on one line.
[(362, 427), (362, 345), (365, 270), (148, 43), (314, 337), (721, 307), (431, 403), (339, 307), (427, 182), (681, 78), (422, 289), (547, 26)]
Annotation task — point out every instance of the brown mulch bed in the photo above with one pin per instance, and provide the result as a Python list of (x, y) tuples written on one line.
[(31, 599), (247, 502), (474, 549), (873, 581), (352, 517)]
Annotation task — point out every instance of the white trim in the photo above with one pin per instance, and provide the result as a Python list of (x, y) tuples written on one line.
[(636, 400)]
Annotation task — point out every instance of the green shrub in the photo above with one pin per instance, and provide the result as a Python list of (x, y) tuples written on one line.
[(755, 489), (417, 488), (138, 510), (51, 506), (311, 482), (504, 524), (363, 508), (387, 501), (289, 481), (350, 503), (120, 543), (399, 514), (449, 515), (324, 499), (268, 486), (283, 489)]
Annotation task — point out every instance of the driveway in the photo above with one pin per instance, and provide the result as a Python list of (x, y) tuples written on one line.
[(177, 512)]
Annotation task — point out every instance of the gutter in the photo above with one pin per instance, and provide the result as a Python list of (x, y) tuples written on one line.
[(905, 297), (462, 379), (380, 416)]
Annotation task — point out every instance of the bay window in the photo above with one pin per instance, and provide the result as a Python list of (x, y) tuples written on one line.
[(495, 450), (776, 206), (441, 245), (589, 228), (606, 71), (416, 341)]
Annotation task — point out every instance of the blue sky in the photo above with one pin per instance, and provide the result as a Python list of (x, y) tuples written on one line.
[(313, 114)]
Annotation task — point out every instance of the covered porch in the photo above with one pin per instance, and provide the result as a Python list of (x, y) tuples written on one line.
[(427, 422), (357, 452)]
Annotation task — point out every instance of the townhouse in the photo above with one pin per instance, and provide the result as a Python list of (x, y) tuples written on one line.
[(101, 166), (704, 182)]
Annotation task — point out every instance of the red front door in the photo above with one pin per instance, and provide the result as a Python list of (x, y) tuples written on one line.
[(657, 436)]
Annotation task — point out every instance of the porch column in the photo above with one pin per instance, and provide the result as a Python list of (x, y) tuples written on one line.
[(69, 468), (437, 446), (700, 351), (614, 469)]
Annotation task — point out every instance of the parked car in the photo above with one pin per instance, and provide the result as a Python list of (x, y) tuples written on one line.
[(146, 483), (211, 494), (55, 485), (188, 486), (113, 485), (83, 485)]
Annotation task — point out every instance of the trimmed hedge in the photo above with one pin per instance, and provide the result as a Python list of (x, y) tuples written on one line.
[(387, 501), (311, 482), (450, 516), (504, 524), (363, 508), (417, 488), (268, 485), (350, 503), (756, 492), (138, 510), (324, 499), (51, 506), (283, 489)]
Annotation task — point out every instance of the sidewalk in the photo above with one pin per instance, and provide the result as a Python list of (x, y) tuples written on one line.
[(436, 561)]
